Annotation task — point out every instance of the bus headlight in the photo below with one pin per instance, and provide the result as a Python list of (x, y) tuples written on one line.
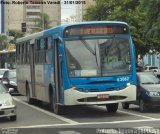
[(128, 84)]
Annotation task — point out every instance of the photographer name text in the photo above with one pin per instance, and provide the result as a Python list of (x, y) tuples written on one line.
[(15, 2)]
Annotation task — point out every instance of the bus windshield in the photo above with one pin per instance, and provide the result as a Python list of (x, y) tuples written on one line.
[(98, 57)]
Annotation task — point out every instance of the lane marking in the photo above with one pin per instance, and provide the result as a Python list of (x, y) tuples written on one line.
[(47, 112), (89, 123), (129, 113), (136, 114)]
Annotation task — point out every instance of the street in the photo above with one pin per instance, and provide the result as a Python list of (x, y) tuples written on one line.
[(80, 119)]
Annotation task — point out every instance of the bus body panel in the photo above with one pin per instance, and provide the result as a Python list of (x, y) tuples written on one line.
[(23, 76)]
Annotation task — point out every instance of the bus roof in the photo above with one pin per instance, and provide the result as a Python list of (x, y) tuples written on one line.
[(62, 27)]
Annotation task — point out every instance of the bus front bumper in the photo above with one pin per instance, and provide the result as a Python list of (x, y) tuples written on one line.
[(74, 97)]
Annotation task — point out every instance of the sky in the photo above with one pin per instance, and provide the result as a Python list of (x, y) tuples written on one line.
[(67, 10)]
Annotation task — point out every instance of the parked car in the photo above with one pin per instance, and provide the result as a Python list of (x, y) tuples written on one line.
[(7, 106), (2, 72), (148, 92), (9, 80), (151, 68)]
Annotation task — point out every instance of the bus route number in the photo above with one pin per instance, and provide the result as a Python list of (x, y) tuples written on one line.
[(123, 79)]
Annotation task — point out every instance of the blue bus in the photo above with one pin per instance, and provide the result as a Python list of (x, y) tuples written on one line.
[(88, 63)]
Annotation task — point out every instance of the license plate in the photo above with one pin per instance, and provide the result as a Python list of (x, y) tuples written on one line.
[(103, 96)]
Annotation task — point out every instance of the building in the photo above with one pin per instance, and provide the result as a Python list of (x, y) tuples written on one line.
[(79, 13), (86, 5), (14, 16), (81, 9), (2, 17), (32, 12), (71, 19), (28, 12), (151, 60)]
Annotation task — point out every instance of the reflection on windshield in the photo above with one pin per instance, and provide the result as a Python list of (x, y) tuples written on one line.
[(98, 57), (12, 75), (2, 89), (2, 72)]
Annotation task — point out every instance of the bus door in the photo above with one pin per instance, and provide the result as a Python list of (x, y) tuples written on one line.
[(57, 72), (32, 67)]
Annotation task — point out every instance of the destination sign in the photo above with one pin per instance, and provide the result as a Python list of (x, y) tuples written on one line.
[(102, 29)]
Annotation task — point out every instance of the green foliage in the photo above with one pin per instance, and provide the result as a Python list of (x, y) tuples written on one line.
[(152, 29), (142, 16), (16, 35), (3, 41), (153, 18)]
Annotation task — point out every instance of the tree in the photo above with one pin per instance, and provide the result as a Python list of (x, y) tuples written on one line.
[(152, 29), (42, 23), (16, 35), (153, 17), (3, 41)]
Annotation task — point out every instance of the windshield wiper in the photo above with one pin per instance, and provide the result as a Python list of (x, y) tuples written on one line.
[(90, 49)]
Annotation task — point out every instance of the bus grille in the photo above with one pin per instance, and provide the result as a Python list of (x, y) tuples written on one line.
[(98, 90), (95, 99)]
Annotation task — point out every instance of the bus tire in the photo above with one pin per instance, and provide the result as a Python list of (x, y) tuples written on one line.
[(29, 100), (125, 105), (57, 109), (112, 108)]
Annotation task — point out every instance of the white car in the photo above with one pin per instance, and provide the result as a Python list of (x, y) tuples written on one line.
[(153, 69), (7, 105), (2, 72)]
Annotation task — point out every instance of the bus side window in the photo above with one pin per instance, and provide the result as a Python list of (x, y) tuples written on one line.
[(37, 51), (17, 54), (21, 54), (42, 51), (45, 49), (48, 55), (28, 53), (25, 53)]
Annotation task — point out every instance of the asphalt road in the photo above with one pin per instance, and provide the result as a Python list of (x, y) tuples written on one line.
[(38, 119)]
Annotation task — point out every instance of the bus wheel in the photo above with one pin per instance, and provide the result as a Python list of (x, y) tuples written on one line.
[(112, 108), (125, 105), (29, 100), (57, 109)]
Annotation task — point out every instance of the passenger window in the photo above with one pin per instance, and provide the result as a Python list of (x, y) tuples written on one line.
[(42, 44), (38, 45), (49, 43), (46, 43)]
